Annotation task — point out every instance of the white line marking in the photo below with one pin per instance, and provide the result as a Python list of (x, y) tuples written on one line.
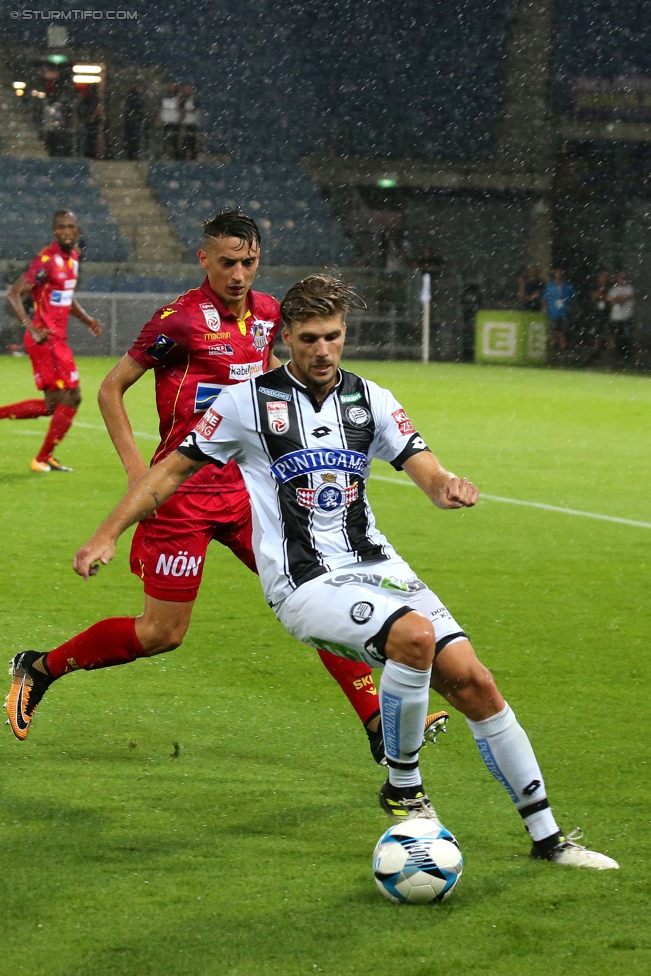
[(517, 501)]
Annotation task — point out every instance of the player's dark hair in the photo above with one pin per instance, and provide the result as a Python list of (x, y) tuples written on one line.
[(232, 223), (62, 213), (318, 296)]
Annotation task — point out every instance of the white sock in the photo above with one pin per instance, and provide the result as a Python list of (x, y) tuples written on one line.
[(505, 748), (404, 697)]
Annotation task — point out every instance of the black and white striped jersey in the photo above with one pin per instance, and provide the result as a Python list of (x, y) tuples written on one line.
[(305, 467)]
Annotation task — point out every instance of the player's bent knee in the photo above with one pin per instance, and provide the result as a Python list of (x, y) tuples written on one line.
[(160, 643), (411, 641), (157, 640)]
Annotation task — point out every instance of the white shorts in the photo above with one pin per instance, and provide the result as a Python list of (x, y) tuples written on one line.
[(350, 611)]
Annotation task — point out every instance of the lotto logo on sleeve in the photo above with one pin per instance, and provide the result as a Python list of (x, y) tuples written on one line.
[(209, 424), (403, 422)]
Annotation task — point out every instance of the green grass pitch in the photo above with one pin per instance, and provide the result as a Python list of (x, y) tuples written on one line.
[(249, 853)]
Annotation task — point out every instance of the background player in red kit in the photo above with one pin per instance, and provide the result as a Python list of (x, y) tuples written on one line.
[(51, 278), (213, 336)]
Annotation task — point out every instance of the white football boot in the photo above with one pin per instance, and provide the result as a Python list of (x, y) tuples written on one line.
[(567, 851)]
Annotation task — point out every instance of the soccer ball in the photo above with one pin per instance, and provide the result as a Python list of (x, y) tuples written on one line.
[(417, 862)]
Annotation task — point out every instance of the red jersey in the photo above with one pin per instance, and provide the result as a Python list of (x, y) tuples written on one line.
[(53, 275), (196, 346)]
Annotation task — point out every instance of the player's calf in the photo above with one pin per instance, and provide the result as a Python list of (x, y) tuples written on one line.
[(460, 677), (163, 625)]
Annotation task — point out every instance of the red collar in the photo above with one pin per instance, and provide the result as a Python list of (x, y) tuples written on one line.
[(220, 304), (56, 249)]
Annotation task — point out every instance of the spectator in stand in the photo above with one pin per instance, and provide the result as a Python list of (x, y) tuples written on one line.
[(53, 127), (598, 329), (90, 113), (531, 287), (621, 299), (134, 111), (170, 119), (557, 298), (190, 122), (429, 263)]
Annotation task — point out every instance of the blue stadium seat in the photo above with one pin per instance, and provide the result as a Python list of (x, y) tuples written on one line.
[(30, 192), (297, 225)]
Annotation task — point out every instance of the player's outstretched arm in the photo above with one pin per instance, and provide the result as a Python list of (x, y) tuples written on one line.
[(443, 487), (78, 312), (18, 291), (111, 404), (141, 500)]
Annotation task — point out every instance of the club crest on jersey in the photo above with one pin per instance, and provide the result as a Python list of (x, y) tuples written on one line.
[(161, 347), (259, 335), (329, 498), (278, 417), (359, 416), (211, 315), (205, 396)]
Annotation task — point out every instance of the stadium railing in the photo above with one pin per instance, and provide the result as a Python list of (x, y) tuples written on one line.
[(388, 329)]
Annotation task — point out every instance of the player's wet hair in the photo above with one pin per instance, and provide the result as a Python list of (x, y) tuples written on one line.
[(319, 296), (232, 223), (62, 213)]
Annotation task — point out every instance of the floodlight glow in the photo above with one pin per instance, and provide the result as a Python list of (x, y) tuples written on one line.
[(387, 183), (20, 84), (57, 58), (86, 79), (88, 69)]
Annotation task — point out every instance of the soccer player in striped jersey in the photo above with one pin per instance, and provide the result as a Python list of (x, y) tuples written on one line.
[(210, 338), (304, 436)]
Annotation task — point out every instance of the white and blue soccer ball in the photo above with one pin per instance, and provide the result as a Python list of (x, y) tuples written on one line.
[(417, 862)]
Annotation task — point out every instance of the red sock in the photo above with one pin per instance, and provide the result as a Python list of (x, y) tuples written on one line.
[(354, 679), (25, 410), (105, 644), (59, 426)]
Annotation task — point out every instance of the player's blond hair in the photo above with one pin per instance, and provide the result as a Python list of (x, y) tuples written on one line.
[(319, 296)]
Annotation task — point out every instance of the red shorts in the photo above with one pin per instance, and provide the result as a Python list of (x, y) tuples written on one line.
[(53, 364), (168, 551)]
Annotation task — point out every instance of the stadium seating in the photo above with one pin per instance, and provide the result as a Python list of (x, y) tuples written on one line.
[(297, 224), (407, 79), (133, 283), (32, 189)]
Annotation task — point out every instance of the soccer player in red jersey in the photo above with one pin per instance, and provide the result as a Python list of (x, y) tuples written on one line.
[(213, 336), (51, 278)]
